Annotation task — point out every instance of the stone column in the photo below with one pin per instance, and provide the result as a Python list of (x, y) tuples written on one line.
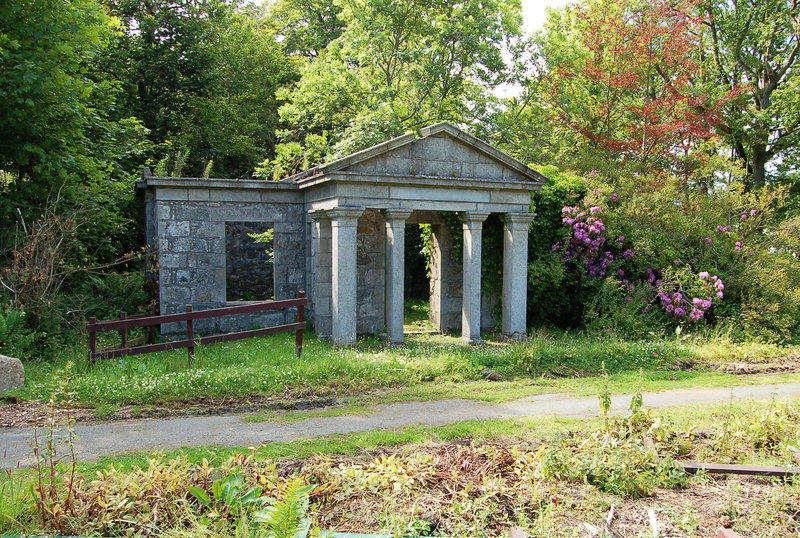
[(471, 302), (344, 225), (395, 272), (515, 273)]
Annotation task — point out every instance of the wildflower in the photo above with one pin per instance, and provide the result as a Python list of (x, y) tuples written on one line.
[(738, 246), (707, 240), (753, 212), (744, 216), (703, 275), (594, 209), (614, 197), (621, 239), (627, 254)]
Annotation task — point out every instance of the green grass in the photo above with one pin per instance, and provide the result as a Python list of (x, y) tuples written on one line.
[(428, 366)]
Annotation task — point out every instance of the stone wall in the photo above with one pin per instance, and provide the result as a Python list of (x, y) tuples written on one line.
[(190, 226)]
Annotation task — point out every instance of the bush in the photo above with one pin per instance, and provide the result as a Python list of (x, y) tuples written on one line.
[(643, 255)]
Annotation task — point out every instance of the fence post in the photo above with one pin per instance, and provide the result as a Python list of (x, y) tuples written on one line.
[(123, 332), (151, 332), (298, 339), (92, 340), (190, 332)]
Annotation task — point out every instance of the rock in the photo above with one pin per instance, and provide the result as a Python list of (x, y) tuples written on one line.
[(492, 375), (12, 374)]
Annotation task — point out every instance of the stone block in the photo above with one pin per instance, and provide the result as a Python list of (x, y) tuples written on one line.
[(189, 245), (163, 211), (488, 171), (199, 194), (177, 228), (228, 195), (172, 260), (172, 194), (12, 374)]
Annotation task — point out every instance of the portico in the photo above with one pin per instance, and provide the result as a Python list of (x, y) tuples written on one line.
[(368, 197), (339, 234)]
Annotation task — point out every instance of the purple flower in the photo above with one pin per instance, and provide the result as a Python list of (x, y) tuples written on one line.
[(720, 295), (614, 197), (753, 212), (594, 209), (744, 216), (629, 299), (707, 240), (627, 254), (677, 263), (680, 311), (738, 246), (621, 272), (720, 228), (696, 301), (720, 285), (621, 239), (703, 275)]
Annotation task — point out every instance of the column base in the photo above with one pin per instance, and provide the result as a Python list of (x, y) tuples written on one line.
[(472, 341), (516, 337)]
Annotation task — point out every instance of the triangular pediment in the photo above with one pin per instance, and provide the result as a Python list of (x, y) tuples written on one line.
[(442, 151)]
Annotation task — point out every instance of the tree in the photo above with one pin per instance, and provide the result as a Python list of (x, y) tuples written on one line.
[(396, 66), (201, 75), (306, 26), (58, 139), (635, 86), (754, 45)]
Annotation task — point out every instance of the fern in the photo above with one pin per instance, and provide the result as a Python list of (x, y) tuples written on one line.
[(14, 337), (288, 518)]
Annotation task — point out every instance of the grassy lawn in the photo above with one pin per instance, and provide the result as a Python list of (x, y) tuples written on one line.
[(427, 367), (474, 478)]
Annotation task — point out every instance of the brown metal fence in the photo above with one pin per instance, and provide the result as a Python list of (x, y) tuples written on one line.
[(132, 347)]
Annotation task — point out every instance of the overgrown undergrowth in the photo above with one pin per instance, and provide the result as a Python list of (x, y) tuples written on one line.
[(468, 486)]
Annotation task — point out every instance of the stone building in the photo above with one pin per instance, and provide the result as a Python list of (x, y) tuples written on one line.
[(338, 233)]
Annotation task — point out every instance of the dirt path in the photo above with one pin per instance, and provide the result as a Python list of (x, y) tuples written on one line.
[(99, 439)]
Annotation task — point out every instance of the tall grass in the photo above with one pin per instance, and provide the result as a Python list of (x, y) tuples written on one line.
[(267, 366)]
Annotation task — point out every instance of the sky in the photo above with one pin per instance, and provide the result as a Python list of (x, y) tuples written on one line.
[(534, 13)]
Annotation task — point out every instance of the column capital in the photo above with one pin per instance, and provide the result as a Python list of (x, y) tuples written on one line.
[(473, 216), (344, 212), (396, 214), (318, 214), (514, 218)]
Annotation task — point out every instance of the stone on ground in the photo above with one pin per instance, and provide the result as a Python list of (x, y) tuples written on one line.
[(12, 374)]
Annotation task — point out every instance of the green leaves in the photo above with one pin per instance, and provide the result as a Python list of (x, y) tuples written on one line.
[(289, 517)]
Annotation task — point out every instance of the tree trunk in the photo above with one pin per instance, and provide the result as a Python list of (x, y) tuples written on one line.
[(758, 164)]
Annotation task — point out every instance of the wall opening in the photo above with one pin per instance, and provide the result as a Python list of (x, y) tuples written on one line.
[(417, 282), (249, 267)]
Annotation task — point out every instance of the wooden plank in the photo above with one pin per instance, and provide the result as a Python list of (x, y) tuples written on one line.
[(254, 332), (200, 314), (178, 344), (721, 468), (132, 342)]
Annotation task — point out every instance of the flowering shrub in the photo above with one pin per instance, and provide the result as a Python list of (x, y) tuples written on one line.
[(647, 254)]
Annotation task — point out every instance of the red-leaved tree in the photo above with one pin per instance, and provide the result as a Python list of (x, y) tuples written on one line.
[(637, 90)]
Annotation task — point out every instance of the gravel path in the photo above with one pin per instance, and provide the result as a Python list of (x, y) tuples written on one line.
[(99, 439)]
